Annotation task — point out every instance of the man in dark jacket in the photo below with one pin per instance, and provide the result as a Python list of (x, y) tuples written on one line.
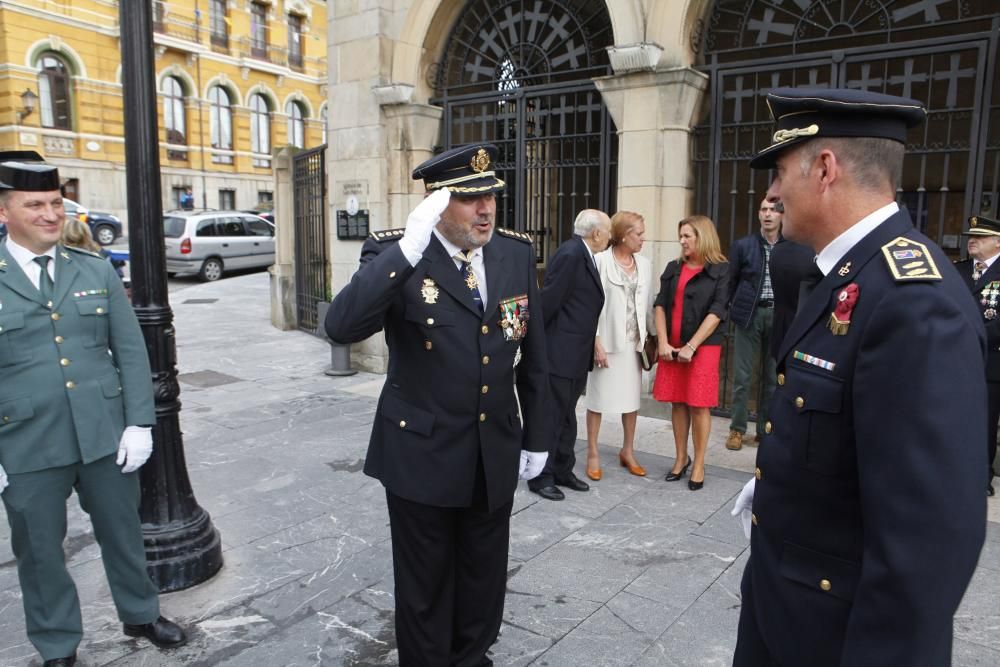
[(572, 298), (457, 299), (867, 513), (752, 311), (981, 273), (791, 263)]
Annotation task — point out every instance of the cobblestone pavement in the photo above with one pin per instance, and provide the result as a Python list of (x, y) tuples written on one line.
[(635, 572)]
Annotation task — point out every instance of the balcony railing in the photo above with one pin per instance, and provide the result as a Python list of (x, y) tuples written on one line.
[(178, 28), (250, 48)]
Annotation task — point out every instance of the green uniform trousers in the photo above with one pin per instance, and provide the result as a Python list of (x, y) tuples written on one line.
[(36, 511)]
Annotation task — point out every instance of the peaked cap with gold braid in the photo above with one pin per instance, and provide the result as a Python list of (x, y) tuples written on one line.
[(465, 170)]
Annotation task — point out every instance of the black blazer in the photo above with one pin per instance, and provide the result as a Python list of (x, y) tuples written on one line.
[(706, 293), (448, 398), (992, 325), (572, 298), (790, 264)]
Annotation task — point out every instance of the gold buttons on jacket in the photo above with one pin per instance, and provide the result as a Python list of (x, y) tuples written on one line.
[(781, 378), (70, 384), (825, 584), (430, 321), (64, 362), (428, 345), (485, 329), (55, 316), (486, 359), (799, 401), (753, 518), (482, 416), (392, 274), (757, 473), (486, 388), (767, 427), (59, 339), (402, 424)]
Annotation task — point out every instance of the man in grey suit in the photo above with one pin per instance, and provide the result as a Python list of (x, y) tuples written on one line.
[(75, 404)]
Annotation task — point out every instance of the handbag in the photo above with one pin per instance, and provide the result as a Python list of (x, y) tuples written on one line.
[(650, 353)]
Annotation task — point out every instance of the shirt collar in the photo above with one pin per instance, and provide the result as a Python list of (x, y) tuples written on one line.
[(453, 249), (585, 245), (837, 248), (988, 262), (23, 256)]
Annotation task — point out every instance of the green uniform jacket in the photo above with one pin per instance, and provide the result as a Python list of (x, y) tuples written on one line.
[(64, 397)]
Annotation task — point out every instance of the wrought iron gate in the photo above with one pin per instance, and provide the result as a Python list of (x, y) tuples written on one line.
[(940, 52), (516, 73), (311, 266)]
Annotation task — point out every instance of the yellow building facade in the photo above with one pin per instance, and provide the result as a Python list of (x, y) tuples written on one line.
[(235, 80)]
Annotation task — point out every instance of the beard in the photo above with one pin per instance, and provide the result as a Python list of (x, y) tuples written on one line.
[(467, 236)]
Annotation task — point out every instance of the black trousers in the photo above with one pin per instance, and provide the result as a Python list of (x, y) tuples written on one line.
[(450, 567), (564, 394), (993, 410)]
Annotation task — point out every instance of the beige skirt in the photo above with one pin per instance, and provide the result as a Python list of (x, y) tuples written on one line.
[(615, 389)]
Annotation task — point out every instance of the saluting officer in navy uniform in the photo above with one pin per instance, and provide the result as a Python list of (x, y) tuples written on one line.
[(867, 510), (76, 403), (458, 301), (981, 273)]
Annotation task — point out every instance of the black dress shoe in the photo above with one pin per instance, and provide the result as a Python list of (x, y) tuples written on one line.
[(68, 661), (550, 493), (161, 632), (571, 481)]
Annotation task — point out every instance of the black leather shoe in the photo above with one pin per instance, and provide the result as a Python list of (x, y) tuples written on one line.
[(550, 493), (571, 481), (68, 661), (161, 632)]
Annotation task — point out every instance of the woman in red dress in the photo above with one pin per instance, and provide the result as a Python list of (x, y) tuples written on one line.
[(689, 308)]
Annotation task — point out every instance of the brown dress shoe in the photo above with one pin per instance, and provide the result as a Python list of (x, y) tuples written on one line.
[(734, 441)]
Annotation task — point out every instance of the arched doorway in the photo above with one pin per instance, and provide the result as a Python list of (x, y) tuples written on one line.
[(941, 52), (517, 73)]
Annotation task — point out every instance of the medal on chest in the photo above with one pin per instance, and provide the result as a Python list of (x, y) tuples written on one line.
[(989, 298), (840, 318), (514, 317), (429, 290)]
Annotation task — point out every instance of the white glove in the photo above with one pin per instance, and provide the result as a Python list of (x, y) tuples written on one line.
[(135, 447), (532, 464), (743, 506), (421, 222), (3, 479)]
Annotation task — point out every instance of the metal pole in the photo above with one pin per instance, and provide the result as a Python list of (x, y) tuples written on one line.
[(182, 546)]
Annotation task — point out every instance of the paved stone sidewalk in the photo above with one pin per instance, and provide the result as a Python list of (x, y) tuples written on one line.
[(635, 572)]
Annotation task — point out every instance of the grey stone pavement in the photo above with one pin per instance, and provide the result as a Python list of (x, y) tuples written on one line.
[(635, 572)]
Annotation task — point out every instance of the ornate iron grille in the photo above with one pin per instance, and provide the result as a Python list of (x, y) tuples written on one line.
[(517, 74), (941, 52), (311, 283)]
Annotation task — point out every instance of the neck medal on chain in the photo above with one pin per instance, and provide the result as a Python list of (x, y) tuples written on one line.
[(990, 297), (840, 318)]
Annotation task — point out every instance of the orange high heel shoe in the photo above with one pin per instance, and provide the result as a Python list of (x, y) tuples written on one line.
[(635, 469), (594, 474)]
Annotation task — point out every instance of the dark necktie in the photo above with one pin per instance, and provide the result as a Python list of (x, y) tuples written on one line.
[(465, 256), (44, 279), (808, 284), (978, 270)]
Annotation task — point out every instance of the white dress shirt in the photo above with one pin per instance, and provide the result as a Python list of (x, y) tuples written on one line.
[(829, 256), (26, 260)]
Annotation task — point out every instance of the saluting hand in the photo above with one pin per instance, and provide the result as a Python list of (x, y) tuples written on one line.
[(422, 220), (134, 448)]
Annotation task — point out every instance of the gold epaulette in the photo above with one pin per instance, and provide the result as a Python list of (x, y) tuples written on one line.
[(387, 235), (84, 252), (510, 233), (909, 260)]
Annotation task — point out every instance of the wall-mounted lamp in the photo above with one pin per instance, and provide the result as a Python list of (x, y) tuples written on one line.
[(28, 101)]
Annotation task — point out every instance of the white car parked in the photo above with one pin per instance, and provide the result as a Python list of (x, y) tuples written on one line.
[(212, 242)]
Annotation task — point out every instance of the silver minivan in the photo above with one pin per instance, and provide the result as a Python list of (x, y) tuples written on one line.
[(212, 242)]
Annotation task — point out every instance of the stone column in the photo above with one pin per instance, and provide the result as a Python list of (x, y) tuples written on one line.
[(283, 270), (654, 112)]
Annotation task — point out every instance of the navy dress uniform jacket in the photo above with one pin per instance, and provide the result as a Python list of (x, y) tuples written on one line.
[(991, 275), (869, 511), (572, 299), (449, 394)]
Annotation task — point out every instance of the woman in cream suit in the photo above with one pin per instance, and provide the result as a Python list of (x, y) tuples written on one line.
[(615, 383)]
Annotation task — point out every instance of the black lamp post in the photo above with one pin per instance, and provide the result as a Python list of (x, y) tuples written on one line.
[(182, 546)]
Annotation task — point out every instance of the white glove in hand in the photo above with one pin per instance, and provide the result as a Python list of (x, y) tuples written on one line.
[(135, 447), (421, 222), (743, 506), (3, 479), (532, 464)]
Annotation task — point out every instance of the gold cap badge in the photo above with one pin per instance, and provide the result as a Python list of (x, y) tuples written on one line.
[(480, 161)]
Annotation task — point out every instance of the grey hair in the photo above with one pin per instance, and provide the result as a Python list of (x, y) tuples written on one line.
[(872, 162), (586, 221)]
